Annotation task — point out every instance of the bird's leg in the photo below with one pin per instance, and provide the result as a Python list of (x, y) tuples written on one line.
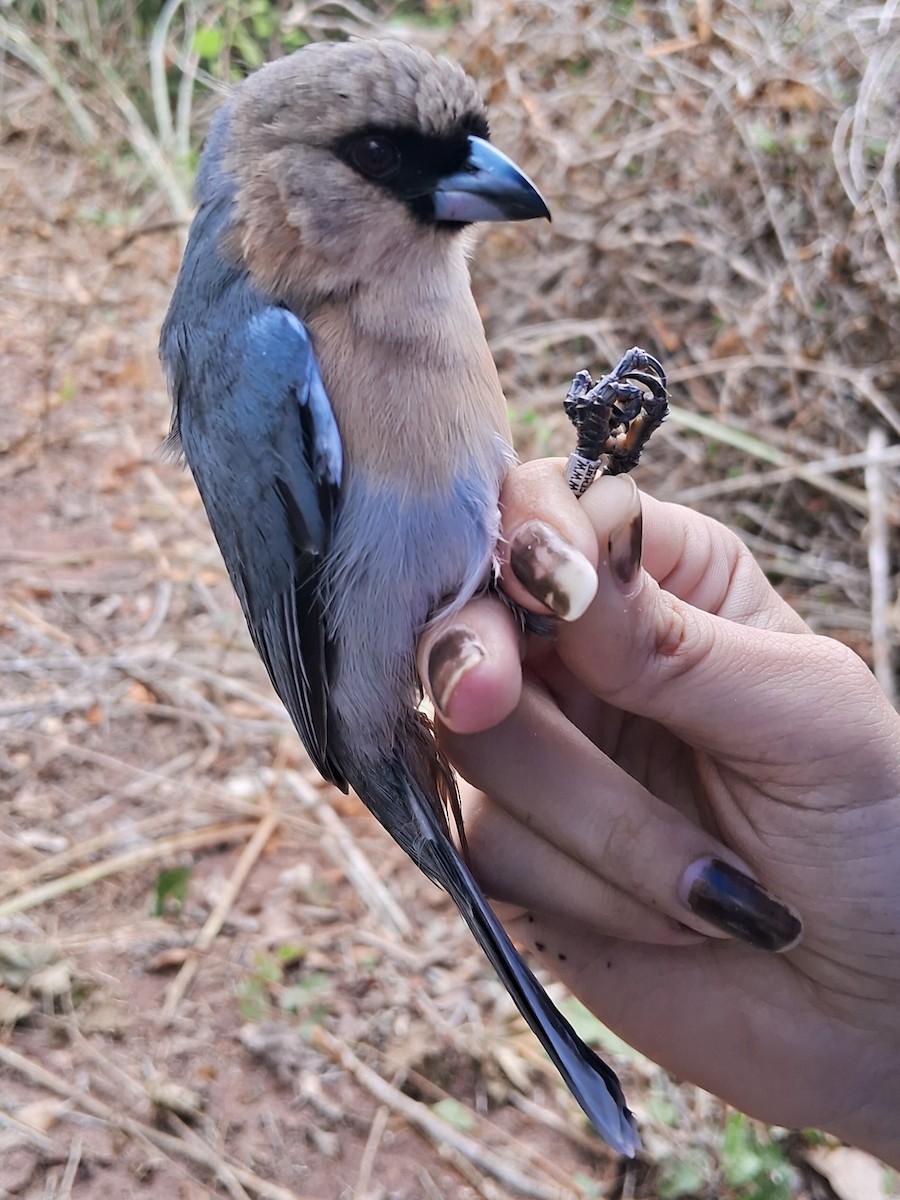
[(614, 417)]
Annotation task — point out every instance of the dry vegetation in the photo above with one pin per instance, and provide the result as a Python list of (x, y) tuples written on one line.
[(304, 1016)]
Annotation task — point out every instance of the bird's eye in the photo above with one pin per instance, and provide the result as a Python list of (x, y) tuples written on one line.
[(375, 157)]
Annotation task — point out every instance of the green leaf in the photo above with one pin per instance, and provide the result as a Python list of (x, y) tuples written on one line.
[(68, 389), (454, 1113), (291, 953), (684, 1176), (249, 49), (208, 43), (583, 1021), (253, 1000), (293, 998), (740, 1151), (300, 996), (756, 1169), (20, 960), (588, 1189), (316, 982), (661, 1110), (267, 969), (171, 890), (763, 138), (294, 39), (263, 25)]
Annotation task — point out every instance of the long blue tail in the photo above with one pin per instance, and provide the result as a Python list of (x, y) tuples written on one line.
[(413, 820)]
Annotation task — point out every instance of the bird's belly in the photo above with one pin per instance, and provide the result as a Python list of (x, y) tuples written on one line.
[(397, 560)]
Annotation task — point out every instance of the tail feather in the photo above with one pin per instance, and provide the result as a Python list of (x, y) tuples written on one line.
[(422, 833)]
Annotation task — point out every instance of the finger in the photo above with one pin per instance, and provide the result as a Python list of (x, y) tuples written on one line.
[(682, 1006), (555, 884), (547, 549), (553, 780), (735, 690), (699, 560), (470, 665)]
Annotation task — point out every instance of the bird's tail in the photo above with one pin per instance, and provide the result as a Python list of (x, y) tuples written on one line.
[(420, 828)]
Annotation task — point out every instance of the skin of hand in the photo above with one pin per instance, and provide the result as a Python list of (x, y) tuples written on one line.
[(686, 724)]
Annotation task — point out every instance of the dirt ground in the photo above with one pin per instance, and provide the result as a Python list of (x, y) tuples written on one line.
[(293, 1013)]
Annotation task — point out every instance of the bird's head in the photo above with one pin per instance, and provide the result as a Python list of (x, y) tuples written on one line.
[(349, 159)]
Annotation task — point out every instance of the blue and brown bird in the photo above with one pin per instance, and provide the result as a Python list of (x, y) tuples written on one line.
[(338, 406)]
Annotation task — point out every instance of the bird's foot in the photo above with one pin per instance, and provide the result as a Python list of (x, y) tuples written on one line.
[(614, 417)]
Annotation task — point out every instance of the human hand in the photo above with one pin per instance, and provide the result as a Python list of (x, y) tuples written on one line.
[(689, 718)]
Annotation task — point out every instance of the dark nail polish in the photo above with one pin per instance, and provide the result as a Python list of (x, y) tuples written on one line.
[(553, 571), (625, 545), (452, 656), (737, 904)]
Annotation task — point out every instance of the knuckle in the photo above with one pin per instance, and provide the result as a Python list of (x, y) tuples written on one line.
[(679, 646)]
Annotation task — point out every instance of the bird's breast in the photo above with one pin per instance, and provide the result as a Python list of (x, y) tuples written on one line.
[(396, 561), (426, 445), (417, 398)]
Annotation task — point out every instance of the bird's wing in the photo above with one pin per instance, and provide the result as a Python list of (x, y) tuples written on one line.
[(260, 437)]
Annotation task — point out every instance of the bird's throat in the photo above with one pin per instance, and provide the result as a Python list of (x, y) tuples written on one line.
[(446, 407)]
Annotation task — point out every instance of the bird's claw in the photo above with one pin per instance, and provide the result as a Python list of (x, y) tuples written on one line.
[(614, 417)]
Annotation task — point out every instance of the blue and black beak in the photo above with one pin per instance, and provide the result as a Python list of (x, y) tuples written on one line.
[(488, 187)]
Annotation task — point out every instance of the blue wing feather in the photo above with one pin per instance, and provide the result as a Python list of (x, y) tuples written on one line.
[(260, 437)]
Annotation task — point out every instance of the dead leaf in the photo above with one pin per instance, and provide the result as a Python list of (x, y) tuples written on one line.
[(791, 95), (13, 1008), (53, 980), (853, 1174), (168, 959), (41, 1115), (513, 1067), (107, 1018), (19, 961), (139, 693), (176, 1098)]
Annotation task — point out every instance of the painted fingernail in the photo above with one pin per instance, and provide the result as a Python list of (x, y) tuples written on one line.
[(452, 656), (553, 571), (737, 904), (626, 542)]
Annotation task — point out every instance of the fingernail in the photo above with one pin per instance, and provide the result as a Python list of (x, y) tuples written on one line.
[(452, 656), (553, 571), (737, 904), (626, 542)]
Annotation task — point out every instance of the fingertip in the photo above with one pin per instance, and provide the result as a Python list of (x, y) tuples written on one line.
[(610, 502), (733, 902), (537, 484), (548, 549), (470, 666), (482, 698), (453, 656), (552, 571)]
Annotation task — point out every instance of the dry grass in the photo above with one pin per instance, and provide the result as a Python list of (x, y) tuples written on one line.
[(723, 179)]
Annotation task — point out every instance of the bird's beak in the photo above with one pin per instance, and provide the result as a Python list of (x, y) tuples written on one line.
[(490, 187)]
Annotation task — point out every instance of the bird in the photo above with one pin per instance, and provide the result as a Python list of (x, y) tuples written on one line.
[(335, 399)]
